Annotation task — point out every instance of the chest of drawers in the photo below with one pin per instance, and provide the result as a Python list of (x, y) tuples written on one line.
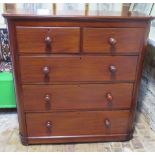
[(76, 77)]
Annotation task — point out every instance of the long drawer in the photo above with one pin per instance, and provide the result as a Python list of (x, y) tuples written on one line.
[(41, 69), (112, 40), (82, 96), (48, 39), (77, 123)]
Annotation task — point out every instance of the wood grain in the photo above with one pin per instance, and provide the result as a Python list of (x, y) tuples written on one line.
[(63, 40), (77, 123), (100, 23), (73, 70), (77, 68), (96, 40), (77, 97), (16, 78)]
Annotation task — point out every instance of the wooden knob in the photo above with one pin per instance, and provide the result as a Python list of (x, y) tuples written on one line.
[(47, 98), (46, 70), (48, 40), (112, 41), (109, 97), (107, 123), (49, 124), (112, 69)]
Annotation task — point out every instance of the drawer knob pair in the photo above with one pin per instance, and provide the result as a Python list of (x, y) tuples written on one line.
[(112, 41)]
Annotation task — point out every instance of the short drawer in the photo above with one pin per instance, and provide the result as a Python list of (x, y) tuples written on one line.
[(112, 40), (82, 96), (49, 69), (48, 39), (77, 123)]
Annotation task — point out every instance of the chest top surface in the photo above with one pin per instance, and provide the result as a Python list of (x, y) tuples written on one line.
[(83, 14)]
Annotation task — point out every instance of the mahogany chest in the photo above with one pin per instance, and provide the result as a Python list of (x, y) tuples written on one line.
[(76, 77)]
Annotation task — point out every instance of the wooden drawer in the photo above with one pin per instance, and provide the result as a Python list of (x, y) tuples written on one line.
[(112, 40), (77, 123), (48, 40), (82, 96), (41, 69)]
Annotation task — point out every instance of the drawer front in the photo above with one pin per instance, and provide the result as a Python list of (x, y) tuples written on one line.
[(84, 96), (48, 40), (49, 69), (77, 123), (112, 40)]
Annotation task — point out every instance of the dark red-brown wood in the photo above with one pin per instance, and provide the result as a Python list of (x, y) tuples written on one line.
[(61, 40), (77, 68), (72, 74), (112, 40), (77, 123), (80, 96)]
